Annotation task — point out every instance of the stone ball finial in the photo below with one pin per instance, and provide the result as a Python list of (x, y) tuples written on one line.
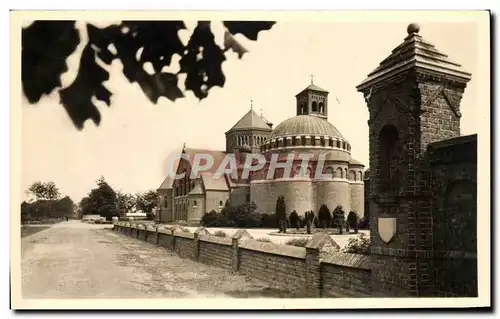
[(413, 28)]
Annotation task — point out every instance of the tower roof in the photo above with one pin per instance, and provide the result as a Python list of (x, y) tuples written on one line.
[(415, 52), (251, 120), (312, 87)]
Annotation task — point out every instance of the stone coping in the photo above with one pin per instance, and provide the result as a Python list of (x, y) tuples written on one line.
[(217, 240), (165, 231), (271, 248), (183, 234), (347, 260), (141, 226), (151, 228)]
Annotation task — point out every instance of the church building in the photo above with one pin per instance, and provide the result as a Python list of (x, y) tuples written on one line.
[(308, 134)]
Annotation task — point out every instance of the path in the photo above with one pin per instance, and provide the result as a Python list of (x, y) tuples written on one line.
[(79, 260)]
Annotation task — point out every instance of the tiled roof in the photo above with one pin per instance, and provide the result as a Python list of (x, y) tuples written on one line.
[(313, 87), (214, 183), (197, 190), (251, 120), (305, 125), (414, 52), (353, 161), (218, 157), (167, 183)]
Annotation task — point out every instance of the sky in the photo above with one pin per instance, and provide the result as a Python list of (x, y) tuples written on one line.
[(135, 137)]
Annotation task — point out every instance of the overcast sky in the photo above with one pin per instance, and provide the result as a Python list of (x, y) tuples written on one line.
[(134, 138)]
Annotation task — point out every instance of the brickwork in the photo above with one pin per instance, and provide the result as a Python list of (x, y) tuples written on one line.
[(215, 254), (299, 270)]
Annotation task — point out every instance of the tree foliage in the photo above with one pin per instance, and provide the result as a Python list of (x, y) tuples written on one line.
[(358, 245), (146, 202), (281, 213), (42, 190), (100, 201), (324, 216), (126, 202), (338, 220), (46, 45), (294, 219)]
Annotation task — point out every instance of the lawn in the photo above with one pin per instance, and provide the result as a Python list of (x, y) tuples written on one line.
[(30, 230)]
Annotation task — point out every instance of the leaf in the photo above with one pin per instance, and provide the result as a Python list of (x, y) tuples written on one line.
[(45, 47), (159, 40), (230, 43), (161, 84), (202, 62), (77, 98), (249, 29), (101, 39)]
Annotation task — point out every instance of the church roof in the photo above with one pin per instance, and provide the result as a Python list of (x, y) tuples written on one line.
[(167, 183), (197, 190), (214, 183), (251, 120), (353, 161), (218, 157), (415, 52), (305, 125), (313, 87)]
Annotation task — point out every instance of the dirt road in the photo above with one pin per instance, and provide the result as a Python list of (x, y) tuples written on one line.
[(78, 260)]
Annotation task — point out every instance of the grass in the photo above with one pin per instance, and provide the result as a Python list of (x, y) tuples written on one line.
[(264, 239), (298, 242), (26, 231), (220, 233)]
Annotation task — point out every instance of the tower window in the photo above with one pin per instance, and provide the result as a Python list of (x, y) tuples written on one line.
[(166, 202), (314, 106), (195, 203), (220, 203), (303, 140), (387, 140), (321, 107), (338, 143)]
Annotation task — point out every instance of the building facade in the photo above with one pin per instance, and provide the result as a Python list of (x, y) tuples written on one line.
[(423, 175), (304, 187)]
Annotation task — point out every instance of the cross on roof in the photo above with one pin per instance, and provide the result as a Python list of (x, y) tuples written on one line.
[(251, 104), (312, 78)]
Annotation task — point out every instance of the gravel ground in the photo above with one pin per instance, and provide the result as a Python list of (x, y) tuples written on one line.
[(79, 260)]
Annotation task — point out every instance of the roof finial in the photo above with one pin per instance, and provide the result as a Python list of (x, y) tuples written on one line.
[(312, 78), (413, 28), (251, 104), (184, 146), (261, 113)]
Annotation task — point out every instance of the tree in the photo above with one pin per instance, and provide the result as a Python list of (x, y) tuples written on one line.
[(353, 221), (46, 45), (359, 245), (309, 216), (146, 202), (281, 213), (294, 219), (338, 218), (64, 207), (100, 201), (45, 191), (324, 216), (247, 215), (125, 202)]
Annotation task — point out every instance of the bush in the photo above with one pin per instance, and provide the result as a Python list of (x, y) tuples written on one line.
[(324, 216), (358, 245), (298, 242), (294, 220), (264, 239), (269, 221), (338, 218), (220, 233)]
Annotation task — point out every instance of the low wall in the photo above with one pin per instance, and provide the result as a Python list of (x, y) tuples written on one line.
[(306, 271)]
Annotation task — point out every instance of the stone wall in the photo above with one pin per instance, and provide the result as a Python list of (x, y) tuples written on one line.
[(239, 195), (214, 198), (333, 193), (357, 200), (308, 272), (298, 195)]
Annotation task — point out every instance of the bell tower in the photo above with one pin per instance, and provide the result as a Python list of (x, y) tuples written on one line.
[(413, 98), (313, 100)]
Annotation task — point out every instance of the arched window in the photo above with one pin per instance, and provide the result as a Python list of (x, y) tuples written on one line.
[(330, 142), (195, 203), (321, 107), (338, 143), (329, 171), (165, 203), (220, 203), (352, 176), (360, 176), (314, 106), (388, 139), (338, 173), (323, 141), (303, 140)]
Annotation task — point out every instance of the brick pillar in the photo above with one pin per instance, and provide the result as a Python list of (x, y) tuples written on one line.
[(157, 239), (241, 234), (173, 239), (197, 233), (313, 273), (313, 263)]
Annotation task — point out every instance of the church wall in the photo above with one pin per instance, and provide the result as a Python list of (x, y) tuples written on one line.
[(357, 198), (215, 200), (239, 195), (333, 193), (195, 213), (298, 195), (165, 213), (262, 194)]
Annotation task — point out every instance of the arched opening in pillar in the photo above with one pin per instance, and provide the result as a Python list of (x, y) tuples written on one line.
[(388, 139)]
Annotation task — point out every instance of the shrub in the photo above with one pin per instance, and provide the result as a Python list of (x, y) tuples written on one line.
[(246, 216), (269, 220), (264, 239), (338, 218), (294, 220), (220, 233), (358, 245), (281, 214), (324, 216), (298, 242)]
